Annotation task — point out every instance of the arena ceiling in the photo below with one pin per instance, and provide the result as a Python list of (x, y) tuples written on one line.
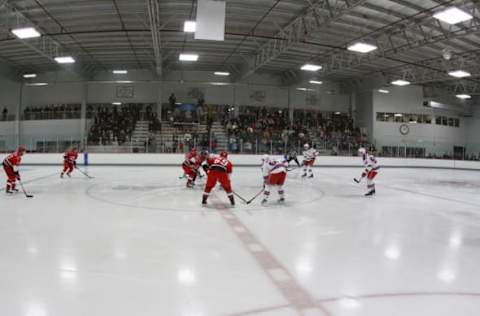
[(261, 36)]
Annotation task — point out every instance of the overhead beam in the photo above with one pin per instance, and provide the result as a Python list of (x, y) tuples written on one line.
[(401, 38), (45, 45), (155, 26), (299, 29)]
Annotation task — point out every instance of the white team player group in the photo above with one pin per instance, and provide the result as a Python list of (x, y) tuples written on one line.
[(274, 171)]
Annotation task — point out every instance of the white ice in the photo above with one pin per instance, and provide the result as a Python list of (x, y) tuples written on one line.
[(135, 241)]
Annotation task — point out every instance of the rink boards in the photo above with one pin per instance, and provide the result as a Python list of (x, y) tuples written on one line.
[(245, 161)]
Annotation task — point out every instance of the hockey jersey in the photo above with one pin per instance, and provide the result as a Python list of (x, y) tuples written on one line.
[(309, 154), (70, 156), (273, 166), (370, 163), (13, 161), (191, 160), (218, 163)]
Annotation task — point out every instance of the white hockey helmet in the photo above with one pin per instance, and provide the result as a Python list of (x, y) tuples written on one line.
[(306, 146), (362, 151), (265, 158)]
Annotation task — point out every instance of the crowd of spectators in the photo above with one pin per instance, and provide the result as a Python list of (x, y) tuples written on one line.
[(52, 112), (113, 125), (271, 130)]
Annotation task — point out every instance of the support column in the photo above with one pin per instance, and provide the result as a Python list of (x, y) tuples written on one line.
[(17, 117), (83, 117)]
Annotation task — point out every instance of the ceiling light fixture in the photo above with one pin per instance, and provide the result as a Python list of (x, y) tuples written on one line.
[(310, 67), (315, 82), (464, 96), (120, 72), (26, 32), (459, 74), (453, 15), (28, 76), (37, 84), (65, 60), (188, 57), (400, 82), (363, 48), (221, 73), (189, 26)]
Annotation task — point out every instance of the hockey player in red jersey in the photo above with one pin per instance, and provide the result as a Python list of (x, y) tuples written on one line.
[(274, 175), (191, 165), (371, 170), (10, 165), (69, 161), (219, 170)]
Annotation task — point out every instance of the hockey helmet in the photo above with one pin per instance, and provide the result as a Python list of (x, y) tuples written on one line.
[(223, 154), (362, 151)]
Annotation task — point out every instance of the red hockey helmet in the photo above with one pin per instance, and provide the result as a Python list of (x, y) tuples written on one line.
[(223, 154)]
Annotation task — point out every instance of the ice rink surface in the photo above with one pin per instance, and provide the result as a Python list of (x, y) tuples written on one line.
[(135, 241)]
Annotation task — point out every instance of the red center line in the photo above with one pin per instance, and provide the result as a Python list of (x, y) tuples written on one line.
[(298, 298)]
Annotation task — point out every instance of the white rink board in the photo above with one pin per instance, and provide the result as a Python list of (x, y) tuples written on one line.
[(243, 160)]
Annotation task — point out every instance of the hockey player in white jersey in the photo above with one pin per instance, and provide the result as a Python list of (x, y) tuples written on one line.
[(309, 155), (371, 170), (274, 175)]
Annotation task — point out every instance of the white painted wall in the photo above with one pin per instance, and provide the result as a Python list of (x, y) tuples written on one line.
[(66, 88), (436, 139), (9, 95)]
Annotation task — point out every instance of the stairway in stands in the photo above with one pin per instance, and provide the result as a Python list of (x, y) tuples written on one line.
[(140, 135), (220, 134)]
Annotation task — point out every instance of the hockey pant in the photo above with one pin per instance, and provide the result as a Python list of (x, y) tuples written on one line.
[(215, 176), (11, 177), (67, 166), (370, 180), (307, 166), (275, 180)]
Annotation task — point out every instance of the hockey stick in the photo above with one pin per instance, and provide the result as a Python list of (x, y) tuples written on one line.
[(23, 189), (257, 195), (241, 198), (85, 174), (359, 180)]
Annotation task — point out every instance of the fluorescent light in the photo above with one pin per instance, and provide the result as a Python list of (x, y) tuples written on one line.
[(188, 57), (362, 48), (189, 26), (120, 72), (452, 15), (30, 76), (27, 32), (123, 81), (400, 82), (304, 89), (37, 84), (221, 73), (398, 115), (338, 113), (116, 103), (383, 91), (219, 83), (65, 60), (464, 96), (459, 74), (310, 67), (315, 82)]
